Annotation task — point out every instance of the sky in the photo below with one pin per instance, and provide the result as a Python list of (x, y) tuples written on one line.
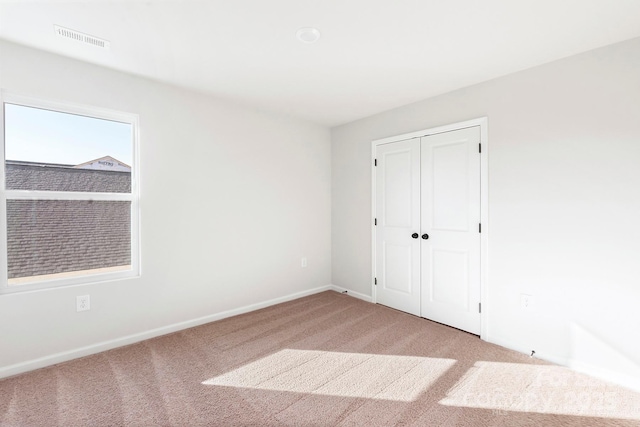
[(37, 135)]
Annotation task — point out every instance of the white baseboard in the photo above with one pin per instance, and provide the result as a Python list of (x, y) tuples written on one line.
[(618, 378), (30, 365), (515, 347), (632, 383), (349, 292)]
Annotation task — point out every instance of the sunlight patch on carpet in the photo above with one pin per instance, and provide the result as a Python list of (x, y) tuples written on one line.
[(544, 389), (369, 376)]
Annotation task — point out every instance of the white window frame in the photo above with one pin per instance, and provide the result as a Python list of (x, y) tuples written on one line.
[(133, 197)]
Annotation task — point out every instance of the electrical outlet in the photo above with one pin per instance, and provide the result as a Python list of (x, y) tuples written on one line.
[(526, 301), (303, 262), (83, 303)]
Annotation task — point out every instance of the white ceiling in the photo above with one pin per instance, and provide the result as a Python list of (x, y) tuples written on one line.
[(373, 55)]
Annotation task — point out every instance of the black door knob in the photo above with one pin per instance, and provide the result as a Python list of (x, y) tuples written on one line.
[(415, 235), (425, 236)]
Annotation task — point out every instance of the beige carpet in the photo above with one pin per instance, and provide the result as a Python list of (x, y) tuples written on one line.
[(323, 360)]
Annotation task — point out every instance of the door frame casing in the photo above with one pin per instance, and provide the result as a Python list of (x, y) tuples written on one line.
[(484, 206)]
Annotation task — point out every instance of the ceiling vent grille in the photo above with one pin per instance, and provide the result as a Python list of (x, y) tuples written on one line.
[(81, 37)]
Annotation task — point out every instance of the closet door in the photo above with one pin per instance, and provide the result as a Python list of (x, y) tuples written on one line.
[(398, 225), (450, 235)]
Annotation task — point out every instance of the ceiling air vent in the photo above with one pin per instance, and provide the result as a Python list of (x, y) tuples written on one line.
[(81, 37)]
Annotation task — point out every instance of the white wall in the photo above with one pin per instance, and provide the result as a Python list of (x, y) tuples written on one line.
[(231, 199), (564, 204)]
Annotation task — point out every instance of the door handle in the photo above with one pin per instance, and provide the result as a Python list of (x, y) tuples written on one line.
[(415, 235), (425, 236)]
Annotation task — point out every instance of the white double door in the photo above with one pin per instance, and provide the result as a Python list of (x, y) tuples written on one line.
[(427, 233)]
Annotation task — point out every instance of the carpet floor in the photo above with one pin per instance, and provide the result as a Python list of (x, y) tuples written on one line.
[(323, 360)]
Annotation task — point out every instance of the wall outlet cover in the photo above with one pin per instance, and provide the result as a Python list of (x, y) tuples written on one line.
[(83, 303), (526, 301)]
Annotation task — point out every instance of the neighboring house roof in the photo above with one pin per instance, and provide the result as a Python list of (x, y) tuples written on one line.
[(105, 163), (55, 177), (56, 236), (59, 236)]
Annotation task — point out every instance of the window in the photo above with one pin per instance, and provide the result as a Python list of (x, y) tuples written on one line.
[(69, 194)]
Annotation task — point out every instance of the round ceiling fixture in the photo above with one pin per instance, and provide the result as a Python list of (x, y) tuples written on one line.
[(308, 35)]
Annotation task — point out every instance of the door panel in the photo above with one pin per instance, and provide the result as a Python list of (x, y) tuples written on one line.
[(449, 271), (397, 268), (450, 186), (450, 215), (397, 184), (398, 217)]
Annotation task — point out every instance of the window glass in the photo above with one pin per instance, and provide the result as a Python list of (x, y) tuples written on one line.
[(46, 177), (53, 151), (49, 237), (69, 194)]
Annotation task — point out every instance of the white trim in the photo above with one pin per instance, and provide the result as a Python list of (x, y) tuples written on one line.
[(630, 382), (86, 279), (351, 293), (521, 349), (484, 205), (65, 356), (624, 380), (136, 236), (133, 197), (484, 220), (374, 295), (482, 121), (4, 271), (66, 107)]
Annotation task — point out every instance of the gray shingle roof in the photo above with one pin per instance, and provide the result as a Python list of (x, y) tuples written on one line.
[(43, 177), (56, 236)]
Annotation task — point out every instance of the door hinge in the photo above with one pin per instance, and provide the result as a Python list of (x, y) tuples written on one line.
[(479, 307), (375, 162), (479, 148), (375, 281), (375, 221), (479, 228)]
